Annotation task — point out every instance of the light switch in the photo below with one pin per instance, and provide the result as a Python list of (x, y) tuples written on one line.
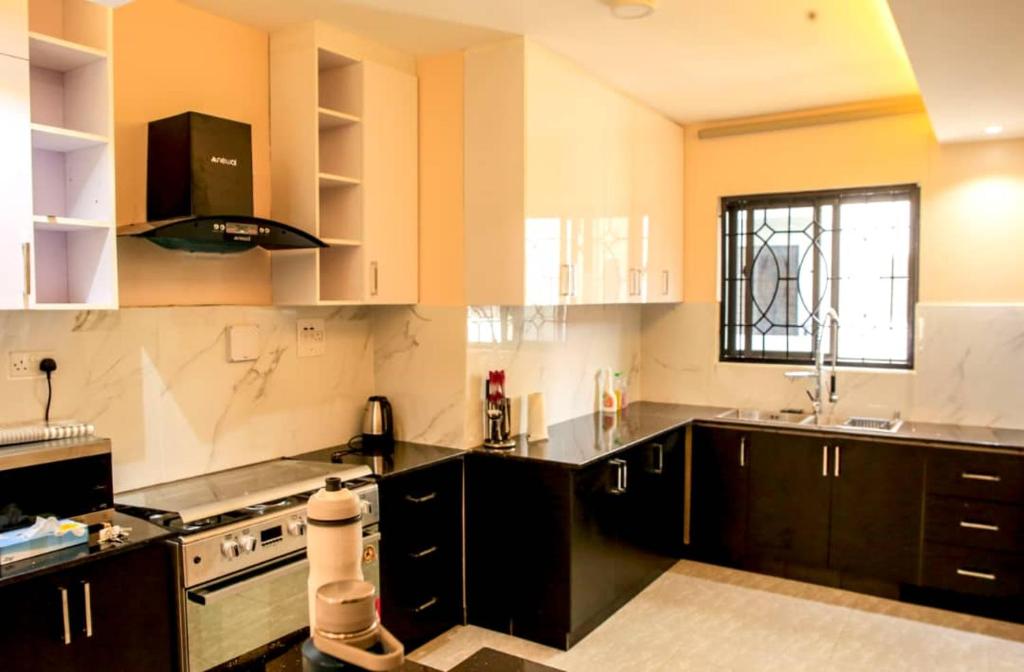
[(243, 343), (312, 341)]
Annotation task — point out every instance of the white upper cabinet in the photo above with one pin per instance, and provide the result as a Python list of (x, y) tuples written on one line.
[(14, 28), (344, 163), (570, 186), (15, 185)]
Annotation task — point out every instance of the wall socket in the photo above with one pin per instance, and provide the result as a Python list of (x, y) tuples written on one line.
[(25, 364), (312, 341)]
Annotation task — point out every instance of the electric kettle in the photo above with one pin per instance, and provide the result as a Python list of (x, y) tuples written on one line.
[(378, 426)]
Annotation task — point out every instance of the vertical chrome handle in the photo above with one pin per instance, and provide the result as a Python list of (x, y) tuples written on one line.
[(664, 283), (835, 467), (824, 460), (625, 476), (988, 478), (88, 608), (65, 616), (659, 465), (26, 252), (375, 283), (563, 280), (620, 476), (743, 451)]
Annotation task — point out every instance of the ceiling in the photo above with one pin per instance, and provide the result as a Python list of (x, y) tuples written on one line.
[(969, 59), (693, 60)]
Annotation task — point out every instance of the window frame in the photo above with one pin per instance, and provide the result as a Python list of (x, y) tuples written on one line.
[(791, 199)]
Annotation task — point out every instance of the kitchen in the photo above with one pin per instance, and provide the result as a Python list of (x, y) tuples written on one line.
[(549, 207)]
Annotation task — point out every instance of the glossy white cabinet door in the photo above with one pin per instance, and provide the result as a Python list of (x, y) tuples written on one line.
[(14, 28), (664, 279), (15, 183), (390, 225)]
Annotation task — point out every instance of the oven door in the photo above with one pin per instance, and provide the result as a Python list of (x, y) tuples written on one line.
[(238, 616), (229, 617)]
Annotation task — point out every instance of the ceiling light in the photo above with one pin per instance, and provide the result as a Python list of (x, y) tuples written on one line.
[(632, 9), (994, 129)]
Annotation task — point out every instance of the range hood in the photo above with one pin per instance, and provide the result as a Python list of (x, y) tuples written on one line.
[(199, 190)]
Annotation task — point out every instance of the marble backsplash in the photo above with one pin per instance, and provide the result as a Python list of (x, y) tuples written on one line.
[(969, 362), (432, 361), (158, 383)]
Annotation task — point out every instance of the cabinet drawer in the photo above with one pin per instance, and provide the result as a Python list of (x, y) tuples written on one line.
[(974, 523), (972, 571), (977, 475)]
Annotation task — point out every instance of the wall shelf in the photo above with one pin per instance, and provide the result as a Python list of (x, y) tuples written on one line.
[(60, 55), (54, 139), (342, 242), (328, 119), (55, 223), (329, 181)]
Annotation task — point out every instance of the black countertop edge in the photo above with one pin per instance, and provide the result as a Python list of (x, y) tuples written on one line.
[(142, 533), (580, 441), (407, 457)]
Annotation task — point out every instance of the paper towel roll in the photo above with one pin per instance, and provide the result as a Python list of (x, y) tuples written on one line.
[(537, 423)]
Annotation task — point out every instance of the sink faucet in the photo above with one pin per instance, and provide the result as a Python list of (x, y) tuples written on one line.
[(831, 320)]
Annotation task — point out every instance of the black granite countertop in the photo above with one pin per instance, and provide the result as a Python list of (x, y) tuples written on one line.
[(582, 440), (406, 457), (142, 532)]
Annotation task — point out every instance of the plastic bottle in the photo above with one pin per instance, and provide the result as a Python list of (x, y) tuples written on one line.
[(608, 404), (617, 385)]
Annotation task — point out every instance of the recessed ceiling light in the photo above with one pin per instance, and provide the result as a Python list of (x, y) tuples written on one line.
[(632, 9), (994, 129)]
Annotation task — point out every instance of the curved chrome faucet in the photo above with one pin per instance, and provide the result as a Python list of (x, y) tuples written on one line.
[(831, 319)]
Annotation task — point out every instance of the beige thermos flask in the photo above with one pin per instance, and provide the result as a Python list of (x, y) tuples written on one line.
[(333, 539)]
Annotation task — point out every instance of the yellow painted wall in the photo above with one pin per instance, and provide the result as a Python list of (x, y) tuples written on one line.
[(442, 282), (172, 58), (972, 210)]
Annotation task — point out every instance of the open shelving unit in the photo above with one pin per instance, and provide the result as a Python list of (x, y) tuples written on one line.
[(317, 118), (71, 109)]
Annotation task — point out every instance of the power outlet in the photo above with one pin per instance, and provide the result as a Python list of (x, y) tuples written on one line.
[(312, 341), (25, 364)]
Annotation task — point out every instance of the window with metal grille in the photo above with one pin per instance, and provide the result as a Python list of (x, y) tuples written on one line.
[(787, 259)]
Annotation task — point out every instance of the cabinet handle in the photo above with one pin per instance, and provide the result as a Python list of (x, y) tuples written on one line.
[(26, 252), (989, 478), (375, 274), (65, 616), (420, 500), (979, 526), (563, 280), (976, 575), (743, 451), (824, 461), (87, 589), (620, 476), (424, 553), (426, 605), (835, 467), (659, 451), (664, 283)]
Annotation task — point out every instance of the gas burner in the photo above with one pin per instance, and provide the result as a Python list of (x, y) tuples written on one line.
[(269, 506)]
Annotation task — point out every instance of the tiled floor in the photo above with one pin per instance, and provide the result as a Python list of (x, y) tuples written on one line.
[(700, 617)]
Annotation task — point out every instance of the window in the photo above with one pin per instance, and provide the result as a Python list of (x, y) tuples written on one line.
[(787, 259)]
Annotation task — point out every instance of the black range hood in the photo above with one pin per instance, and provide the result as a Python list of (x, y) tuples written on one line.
[(199, 190)]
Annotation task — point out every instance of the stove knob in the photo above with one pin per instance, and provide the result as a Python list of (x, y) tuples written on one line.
[(365, 507), (296, 527), (248, 543), (230, 549)]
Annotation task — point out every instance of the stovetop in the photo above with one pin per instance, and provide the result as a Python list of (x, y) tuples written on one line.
[(214, 500)]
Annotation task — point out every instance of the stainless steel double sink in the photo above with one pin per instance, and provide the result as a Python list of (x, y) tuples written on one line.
[(794, 417)]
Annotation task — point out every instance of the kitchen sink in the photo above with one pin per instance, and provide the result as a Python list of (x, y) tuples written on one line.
[(759, 415), (855, 422)]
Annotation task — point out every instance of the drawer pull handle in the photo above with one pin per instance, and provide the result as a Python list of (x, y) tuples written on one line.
[(424, 553), (420, 500), (65, 617), (87, 589), (976, 575), (426, 605), (979, 526), (988, 478)]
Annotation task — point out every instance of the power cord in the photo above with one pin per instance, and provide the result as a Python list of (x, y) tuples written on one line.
[(48, 365)]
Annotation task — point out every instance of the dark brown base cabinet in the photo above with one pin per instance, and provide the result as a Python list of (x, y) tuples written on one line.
[(421, 552), (553, 550), (924, 523), (120, 616)]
